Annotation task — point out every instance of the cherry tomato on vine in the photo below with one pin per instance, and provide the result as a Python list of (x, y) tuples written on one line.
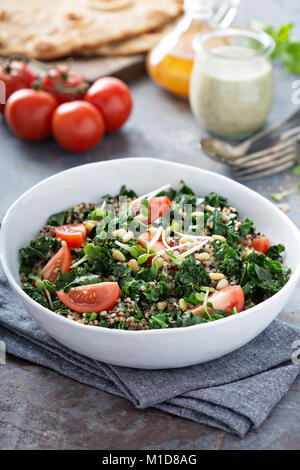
[(28, 113), (112, 98), (15, 76), (77, 126), (65, 84)]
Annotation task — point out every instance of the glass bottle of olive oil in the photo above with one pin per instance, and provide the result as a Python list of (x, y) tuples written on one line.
[(170, 63)]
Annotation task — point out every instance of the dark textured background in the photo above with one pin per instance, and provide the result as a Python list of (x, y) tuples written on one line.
[(40, 409)]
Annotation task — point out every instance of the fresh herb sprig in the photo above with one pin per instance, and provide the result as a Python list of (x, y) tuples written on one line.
[(286, 48)]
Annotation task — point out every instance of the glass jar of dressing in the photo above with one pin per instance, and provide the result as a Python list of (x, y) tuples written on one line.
[(231, 87), (170, 63)]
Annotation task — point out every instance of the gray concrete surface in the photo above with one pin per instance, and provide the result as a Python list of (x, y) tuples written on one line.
[(40, 409)]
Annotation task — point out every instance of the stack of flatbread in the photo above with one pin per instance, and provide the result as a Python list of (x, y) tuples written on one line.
[(59, 28)]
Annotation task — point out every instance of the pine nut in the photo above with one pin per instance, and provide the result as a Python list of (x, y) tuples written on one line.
[(141, 218), (134, 265), (161, 306), (197, 214), (90, 224), (118, 255), (153, 230), (216, 276), (160, 262), (182, 304), (184, 240), (119, 233), (219, 237), (127, 236), (222, 284), (202, 256)]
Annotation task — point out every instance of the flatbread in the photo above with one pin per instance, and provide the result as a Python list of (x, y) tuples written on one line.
[(57, 28), (137, 45)]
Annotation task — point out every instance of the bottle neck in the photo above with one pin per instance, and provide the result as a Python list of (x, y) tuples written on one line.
[(200, 9)]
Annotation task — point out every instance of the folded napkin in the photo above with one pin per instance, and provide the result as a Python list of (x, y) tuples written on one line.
[(234, 393)]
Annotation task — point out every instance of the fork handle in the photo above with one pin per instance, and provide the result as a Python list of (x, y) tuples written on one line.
[(274, 127)]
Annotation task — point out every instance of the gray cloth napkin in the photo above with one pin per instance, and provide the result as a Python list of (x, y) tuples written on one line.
[(234, 393)]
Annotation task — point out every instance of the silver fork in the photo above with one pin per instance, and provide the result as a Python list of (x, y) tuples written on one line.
[(273, 159)]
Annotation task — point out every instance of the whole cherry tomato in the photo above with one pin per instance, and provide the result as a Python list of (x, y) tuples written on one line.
[(113, 99), (65, 84), (28, 113), (15, 76), (77, 126)]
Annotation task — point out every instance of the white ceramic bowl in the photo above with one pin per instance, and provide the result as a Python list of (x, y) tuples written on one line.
[(155, 349)]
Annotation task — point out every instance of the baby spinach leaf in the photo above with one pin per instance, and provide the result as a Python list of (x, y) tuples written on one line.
[(195, 298), (95, 253), (57, 219), (158, 321)]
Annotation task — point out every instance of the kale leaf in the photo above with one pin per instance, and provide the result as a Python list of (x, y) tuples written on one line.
[(190, 277), (229, 259), (145, 292), (127, 192), (215, 200), (262, 277), (246, 227), (274, 252), (37, 250), (185, 195), (36, 294)]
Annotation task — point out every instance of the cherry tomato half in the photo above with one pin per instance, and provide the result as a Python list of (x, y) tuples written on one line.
[(15, 76), (112, 98), (91, 298), (225, 299), (73, 234), (260, 244), (61, 260), (158, 207), (28, 113), (63, 83), (77, 126)]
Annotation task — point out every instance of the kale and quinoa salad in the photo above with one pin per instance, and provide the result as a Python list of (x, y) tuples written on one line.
[(167, 259)]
